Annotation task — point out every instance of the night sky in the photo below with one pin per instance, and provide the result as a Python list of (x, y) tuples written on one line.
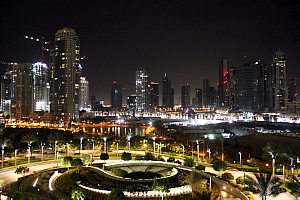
[(185, 39)]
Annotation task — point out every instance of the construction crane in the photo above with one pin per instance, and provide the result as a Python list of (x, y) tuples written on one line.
[(43, 43)]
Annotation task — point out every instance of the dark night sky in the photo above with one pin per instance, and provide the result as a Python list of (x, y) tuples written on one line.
[(186, 39)]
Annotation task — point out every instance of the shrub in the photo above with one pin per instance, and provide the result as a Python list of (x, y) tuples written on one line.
[(227, 177), (119, 172), (200, 167)]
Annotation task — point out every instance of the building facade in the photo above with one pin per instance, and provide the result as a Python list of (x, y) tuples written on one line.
[(116, 95), (185, 96), (65, 76), (84, 94), (167, 93), (142, 86)]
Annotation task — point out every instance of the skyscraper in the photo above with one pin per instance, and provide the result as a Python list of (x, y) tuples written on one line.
[(40, 87), (65, 75), (185, 95), (116, 95), (223, 87), (142, 88), (198, 98), (154, 93), (206, 93), (167, 93), (84, 93), (278, 82), (292, 93)]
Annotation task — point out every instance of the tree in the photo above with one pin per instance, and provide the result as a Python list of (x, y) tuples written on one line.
[(249, 149), (67, 162), (227, 177), (161, 186), (294, 185), (219, 165), (116, 194), (104, 156), (264, 185), (119, 172), (4, 142), (188, 162), (77, 195), (200, 167), (126, 156), (149, 156), (80, 136), (77, 163), (56, 138), (29, 138), (196, 181), (292, 154), (22, 170), (271, 151)]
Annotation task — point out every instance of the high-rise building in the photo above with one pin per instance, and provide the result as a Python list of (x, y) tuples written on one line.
[(65, 75), (142, 86), (116, 95), (292, 89), (206, 93), (167, 93), (185, 95), (84, 93), (198, 98), (40, 87), (223, 87), (278, 82), (154, 95)]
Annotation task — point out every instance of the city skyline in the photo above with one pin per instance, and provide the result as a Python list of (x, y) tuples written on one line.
[(186, 40)]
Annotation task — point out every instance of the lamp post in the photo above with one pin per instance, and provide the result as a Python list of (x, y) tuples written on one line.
[(16, 150), (283, 173), (55, 144), (182, 149), (42, 151), (208, 150), (240, 153), (153, 138), (117, 149), (104, 139), (198, 150), (128, 138)]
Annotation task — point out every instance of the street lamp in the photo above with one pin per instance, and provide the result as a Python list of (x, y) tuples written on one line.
[(117, 149), (16, 150), (55, 144), (153, 138), (240, 158), (42, 151), (208, 150), (182, 149), (104, 144), (198, 149), (128, 138), (2, 151)]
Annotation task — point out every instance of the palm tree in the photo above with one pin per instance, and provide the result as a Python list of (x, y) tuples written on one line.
[(29, 138), (272, 150), (264, 185), (4, 142), (56, 138), (292, 154), (80, 136), (196, 181), (294, 185)]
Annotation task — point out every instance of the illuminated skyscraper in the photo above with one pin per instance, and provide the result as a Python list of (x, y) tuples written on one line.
[(84, 93), (154, 92), (185, 95), (142, 86), (40, 87), (65, 75), (116, 95), (278, 82), (206, 93), (167, 93), (223, 87)]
